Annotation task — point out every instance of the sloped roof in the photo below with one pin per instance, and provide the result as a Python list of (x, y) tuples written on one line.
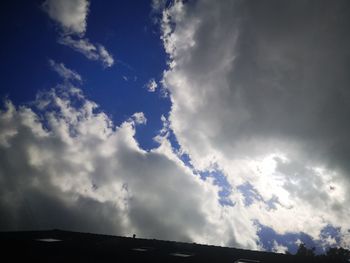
[(63, 246)]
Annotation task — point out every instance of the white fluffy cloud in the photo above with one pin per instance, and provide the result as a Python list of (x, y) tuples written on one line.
[(71, 15), (139, 118), (279, 248), (259, 96), (65, 165)]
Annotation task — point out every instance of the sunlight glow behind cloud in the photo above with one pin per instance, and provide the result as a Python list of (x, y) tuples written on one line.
[(241, 92)]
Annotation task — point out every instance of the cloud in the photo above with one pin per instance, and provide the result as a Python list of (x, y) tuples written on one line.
[(158, 5), (139, 118), (260, 91), (71, 15), (262, 101), (66, 73), (105, 56), (89, 50), (72, 19), (152, 85), (279, 248), (81, 45), (78, 171)]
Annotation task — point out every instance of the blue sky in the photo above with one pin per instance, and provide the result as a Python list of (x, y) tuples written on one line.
[(126, 30), (243, 142)]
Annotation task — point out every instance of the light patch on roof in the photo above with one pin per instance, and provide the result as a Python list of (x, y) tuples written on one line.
[(247, 261), (48, 240), (142, 249), (183, 255)]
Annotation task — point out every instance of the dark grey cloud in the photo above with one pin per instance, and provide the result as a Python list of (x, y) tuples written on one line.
[(291, 70), (260, 86)]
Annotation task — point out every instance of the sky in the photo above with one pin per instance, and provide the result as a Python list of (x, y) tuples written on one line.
[(215, 122)]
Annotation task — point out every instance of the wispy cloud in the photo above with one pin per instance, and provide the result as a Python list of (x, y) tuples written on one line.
[(89, 50), (105, 56), (158, 5), (66, 73), (152, 85)]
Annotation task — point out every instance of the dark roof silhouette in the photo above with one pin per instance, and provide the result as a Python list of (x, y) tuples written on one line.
[(63, 246)]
